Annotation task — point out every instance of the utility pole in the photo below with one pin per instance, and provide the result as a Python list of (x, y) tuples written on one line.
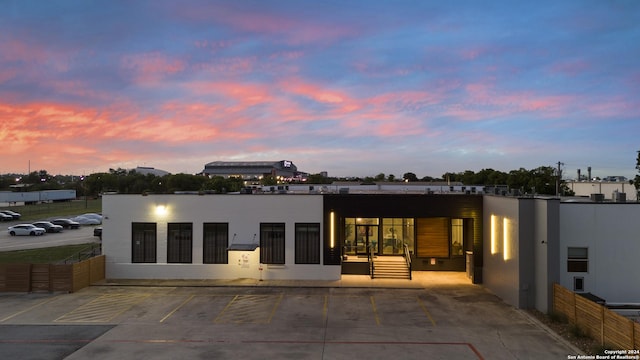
[(559, 173)]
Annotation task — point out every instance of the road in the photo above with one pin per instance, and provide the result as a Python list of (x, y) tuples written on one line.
[(66, 237)]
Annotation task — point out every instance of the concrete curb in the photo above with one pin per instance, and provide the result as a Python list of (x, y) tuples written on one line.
[(551, 333)]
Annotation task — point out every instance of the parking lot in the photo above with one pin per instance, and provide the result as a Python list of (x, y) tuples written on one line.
[(460, 321), (67, 237)]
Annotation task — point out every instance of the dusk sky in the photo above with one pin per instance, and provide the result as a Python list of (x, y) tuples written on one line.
[(354, 88)]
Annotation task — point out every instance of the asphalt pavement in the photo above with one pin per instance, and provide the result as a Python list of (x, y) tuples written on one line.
[(437, 315)]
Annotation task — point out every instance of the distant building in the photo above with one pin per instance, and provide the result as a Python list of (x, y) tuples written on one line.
[(610, 190), (149, 170), (247, 170)]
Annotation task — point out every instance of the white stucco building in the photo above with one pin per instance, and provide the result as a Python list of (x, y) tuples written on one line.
[(517, 247)]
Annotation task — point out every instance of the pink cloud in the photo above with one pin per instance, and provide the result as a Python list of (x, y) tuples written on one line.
[(290, 29), (152, 67), (17, 50)]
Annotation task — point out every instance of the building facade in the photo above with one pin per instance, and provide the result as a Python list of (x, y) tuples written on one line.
[(517, 247), (302, 236), (250, 170)]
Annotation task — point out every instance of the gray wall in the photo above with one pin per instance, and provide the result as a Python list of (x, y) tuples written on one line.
[(501, 272), (611, 232), (546, 245), (521, 237)]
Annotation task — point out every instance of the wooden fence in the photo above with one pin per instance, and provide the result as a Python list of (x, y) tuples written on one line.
[(611, 329), (51, 277)]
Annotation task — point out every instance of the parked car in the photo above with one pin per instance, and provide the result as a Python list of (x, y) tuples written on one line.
[(25, 229), (13, 214), (66, 223), (5, 217), (93, 216), (97, 231), (48, 226), (83, 220)]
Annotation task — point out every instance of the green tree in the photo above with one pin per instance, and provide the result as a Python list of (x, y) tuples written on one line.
[(410, 177), (269, 180), (319, 179)]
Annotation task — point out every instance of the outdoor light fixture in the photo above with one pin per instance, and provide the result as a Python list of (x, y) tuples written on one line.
[(161, 210), (506, 254), (332, 235), (494, 235)]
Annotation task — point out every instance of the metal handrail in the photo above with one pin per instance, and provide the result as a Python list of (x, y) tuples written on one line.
[(407, 258), (370, 255), (84, 254)]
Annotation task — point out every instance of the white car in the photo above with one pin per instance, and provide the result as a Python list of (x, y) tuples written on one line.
[(93, 216), (25, 229), (83, 220)]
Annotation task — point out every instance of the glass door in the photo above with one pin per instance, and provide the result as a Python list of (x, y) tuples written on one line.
[(366, 235)]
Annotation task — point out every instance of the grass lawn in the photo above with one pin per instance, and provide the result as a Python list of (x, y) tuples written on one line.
[(50, 255), (37, 212)]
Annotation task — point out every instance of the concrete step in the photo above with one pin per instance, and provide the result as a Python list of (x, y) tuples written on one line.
[(390, 268)]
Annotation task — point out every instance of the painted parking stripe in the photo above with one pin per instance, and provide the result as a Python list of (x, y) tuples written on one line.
[(424, 308), (249, 309), (29, 308), (103, 308)]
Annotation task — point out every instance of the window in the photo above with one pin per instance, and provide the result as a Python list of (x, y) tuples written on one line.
[(215, 243), (578, 283), (457, 237), (308, 243), (396, 232), (179, 240), (272, 243), (577, 259), (143, 242)]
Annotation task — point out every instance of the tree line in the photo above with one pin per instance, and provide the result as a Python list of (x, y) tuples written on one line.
[(541, 180)]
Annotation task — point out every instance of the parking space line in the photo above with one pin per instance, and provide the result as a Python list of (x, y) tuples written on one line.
[(275, 306), (225, 308), (177, 308), (426, 312), (29, 308), (249, 309), (325, 309), (103, 309), (375, 311)]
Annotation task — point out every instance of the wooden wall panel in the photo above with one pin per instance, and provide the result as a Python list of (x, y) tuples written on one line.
[(618, 330), (97, 270), (62, 278), (564, 302), (589, 317), (40, 277), (432, 237)]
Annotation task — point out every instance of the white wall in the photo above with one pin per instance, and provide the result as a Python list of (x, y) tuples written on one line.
[(586, 188), (243, 213), (611, 231)]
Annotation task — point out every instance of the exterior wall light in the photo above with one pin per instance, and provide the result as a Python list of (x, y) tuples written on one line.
[(506, 233), (332, 232), (161, 210), (494, 235)]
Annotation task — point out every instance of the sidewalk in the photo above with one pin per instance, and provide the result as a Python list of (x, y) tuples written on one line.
[(420, 280)]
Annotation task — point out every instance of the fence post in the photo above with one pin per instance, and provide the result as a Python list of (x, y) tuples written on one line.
[(602, 325)]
